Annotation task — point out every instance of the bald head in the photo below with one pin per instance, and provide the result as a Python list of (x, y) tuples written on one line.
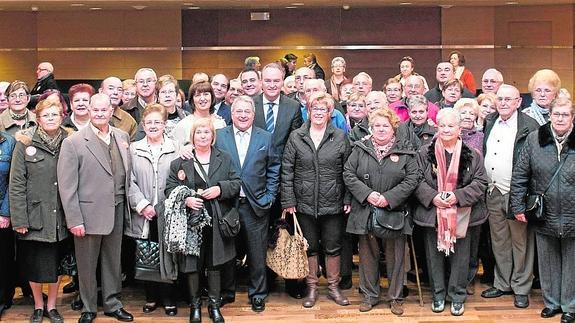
[(491, 81), (414, 85), (44, 69), (100, 111), (113, 88), (508, 101)]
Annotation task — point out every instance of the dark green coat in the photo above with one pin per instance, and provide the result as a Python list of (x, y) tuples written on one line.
[(395, 176), (34, 199)]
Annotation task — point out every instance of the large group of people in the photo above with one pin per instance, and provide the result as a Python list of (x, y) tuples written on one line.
[(204, 175)]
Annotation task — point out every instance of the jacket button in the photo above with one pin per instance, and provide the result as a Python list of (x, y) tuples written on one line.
[(55, 183), (54, 211)]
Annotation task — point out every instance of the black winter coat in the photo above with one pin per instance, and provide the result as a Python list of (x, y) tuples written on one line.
[(537, 163), (312, 179), (470, 191), (395, 177)]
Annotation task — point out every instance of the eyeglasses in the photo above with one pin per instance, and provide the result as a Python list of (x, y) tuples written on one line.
[(168, 92), (561, 115), (322, 110), (506, 100), (142, 82), (48, 116), (19, 95), (153, 122)]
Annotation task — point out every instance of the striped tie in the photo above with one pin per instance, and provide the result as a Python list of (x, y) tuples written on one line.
[(270, 126)]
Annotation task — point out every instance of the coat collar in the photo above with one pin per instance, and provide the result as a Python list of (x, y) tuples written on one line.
[(545, 136)]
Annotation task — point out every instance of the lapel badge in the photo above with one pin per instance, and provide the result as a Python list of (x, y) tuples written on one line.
[(394, 158), (181, 175), (30, 151)]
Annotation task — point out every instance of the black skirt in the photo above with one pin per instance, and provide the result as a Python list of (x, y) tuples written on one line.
[(40, 262)]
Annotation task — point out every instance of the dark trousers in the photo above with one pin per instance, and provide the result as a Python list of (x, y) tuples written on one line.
[(556, 271), (348, 242), (485, 254), (473, 233), (253, 239), (106, 248), (162, 293), (369, 252), (325, 231), (7, 266), (455, 287)]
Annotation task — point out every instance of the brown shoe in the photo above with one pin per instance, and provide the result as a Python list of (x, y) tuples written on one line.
[(367, 304), (396, 307)]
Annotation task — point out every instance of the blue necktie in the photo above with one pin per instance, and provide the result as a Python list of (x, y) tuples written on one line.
[(270, 126)]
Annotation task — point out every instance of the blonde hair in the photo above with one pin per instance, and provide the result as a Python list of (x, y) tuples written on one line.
[(385, 113), (467, 102), (547, 76), (203, 122)]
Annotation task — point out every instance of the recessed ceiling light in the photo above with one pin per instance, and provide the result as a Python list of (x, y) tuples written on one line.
[(405, 3), (76, 5), (298, 4), (511, 2), (189, 4), (139, 7), (291, 7), (446, 6), (95, 8), (34, 8), (194, 8)]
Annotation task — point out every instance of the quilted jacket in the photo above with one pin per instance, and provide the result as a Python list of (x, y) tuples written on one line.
[(537, 163)]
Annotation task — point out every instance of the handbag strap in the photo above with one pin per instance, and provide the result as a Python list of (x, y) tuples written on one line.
[(555, 175), (296, 227)]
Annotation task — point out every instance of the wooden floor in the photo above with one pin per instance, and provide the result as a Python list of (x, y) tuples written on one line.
[(281, 308)]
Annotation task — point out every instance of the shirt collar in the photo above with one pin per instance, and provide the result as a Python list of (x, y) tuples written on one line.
[(266, 101), (511, 121), (99, 133), (248, 131)]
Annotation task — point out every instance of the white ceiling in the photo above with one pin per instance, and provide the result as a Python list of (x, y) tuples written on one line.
[(81, 5)]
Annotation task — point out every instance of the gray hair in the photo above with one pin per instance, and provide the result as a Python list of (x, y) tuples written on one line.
[(145, 69), (338, 60), (312, 82), (448, 112), (416, 100), (246, 99), (364, 74)]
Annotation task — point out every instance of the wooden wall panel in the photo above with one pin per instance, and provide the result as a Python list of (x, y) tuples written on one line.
[(18, 38)]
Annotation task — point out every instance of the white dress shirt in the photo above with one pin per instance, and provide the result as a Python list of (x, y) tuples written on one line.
[(499, 153), (276, 103)]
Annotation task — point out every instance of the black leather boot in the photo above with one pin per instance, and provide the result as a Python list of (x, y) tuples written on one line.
[(214, 310), (196, 310)]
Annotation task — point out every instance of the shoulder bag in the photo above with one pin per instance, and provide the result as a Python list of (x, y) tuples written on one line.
[(386, 224), (535, 205), (229, 223)]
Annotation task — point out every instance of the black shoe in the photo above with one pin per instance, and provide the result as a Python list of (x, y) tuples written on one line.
[(258, 304), (87, 317), (149, 308), (77, 303), (171, 310), (121, 315), (196, 310), (70, 287), (568, 318), (345, 282), (493, 293), (549, 312), (37, 316), (227, 300), (54, 316), (521, 301), (214, 311)]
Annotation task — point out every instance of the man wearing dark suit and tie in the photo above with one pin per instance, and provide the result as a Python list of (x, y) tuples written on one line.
[(275, 112), (253, 155), (94, 176)]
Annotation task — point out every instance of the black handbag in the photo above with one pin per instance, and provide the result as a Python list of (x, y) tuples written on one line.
[(229, 223), (534, 202), (147, 261), (386, 224)]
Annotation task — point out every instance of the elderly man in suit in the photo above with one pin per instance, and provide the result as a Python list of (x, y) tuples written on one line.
[(93, 176), (254, 158), (146, 79)]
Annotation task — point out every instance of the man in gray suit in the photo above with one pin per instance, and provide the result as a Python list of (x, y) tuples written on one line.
[(254, 158), (93, 176)]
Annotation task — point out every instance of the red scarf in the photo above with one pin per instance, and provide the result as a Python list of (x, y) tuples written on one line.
[(447, 182)]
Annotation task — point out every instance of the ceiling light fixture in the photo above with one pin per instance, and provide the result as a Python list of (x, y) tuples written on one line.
[(291, 7), (510, 3), (298, 4), (34, 8), (95, 8), (405, 3), (139, 7), (194, 8), (76, 5)]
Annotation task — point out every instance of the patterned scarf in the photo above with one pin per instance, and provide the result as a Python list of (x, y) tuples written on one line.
[(447, 182), (18, 116), (541, 115), (52, 143), (382, 150)]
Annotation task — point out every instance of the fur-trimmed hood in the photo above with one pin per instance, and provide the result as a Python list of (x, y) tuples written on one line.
[(465, 162), (545, 136)]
